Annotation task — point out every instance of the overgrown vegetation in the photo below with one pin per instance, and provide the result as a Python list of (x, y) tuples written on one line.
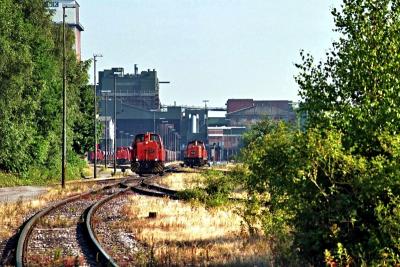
[(329, 195), (30, 93), (215, 191)]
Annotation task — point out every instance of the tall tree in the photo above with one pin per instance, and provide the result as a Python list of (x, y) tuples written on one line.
[(357, 88), (30, 89)]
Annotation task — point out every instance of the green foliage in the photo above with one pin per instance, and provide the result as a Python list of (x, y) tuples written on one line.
[(356, 89), (216, 191), (30, 90), (338, 183), (314, 195), (257, 131)]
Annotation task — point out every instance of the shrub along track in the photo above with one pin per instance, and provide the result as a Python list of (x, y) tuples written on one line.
[(57, 236)]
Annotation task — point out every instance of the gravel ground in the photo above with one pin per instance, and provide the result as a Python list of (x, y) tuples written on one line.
[(7, 246), (120, 245)]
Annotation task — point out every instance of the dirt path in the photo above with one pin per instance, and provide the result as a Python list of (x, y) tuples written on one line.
[(12, 194)]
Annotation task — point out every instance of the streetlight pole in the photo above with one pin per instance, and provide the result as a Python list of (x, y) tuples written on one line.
[(105, 129), (175, 144), (115, 123), (105, 93), (64, 96), (121, 133), (127, 139), (205, 123), (95, 56), (64, 131)]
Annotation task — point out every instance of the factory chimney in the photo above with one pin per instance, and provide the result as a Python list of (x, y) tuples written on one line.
[(136, 69)]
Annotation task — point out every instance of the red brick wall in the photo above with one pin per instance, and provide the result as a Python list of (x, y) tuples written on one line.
[(238, 104)]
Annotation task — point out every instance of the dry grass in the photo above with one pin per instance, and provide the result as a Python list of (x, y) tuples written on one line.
[(184, 234), (224, 167), (181, 181), (12, 215)]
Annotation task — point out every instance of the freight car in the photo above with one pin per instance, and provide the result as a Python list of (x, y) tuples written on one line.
[(100, 155), (195, 154), (148, 154)]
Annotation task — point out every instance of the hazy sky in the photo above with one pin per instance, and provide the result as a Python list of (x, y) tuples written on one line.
[(209, 49)]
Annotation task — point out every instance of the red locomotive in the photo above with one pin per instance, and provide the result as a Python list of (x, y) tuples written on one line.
[(195, 154), (123, 155), (148, 154)]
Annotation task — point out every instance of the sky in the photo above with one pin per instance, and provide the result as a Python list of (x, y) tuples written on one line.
[(209, 49)]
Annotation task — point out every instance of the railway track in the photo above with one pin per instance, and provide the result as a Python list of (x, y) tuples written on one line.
[(56, 234), (64, 233), (114, 245)]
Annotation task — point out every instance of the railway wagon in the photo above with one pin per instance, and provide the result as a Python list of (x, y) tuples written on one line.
[(123, 155), (195, 154), (148, 154), (100, 155)]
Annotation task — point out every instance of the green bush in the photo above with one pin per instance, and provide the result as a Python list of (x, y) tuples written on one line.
[(322, 200), (216, 191)]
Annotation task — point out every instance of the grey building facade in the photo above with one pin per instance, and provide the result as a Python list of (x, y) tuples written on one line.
[(140, 90)]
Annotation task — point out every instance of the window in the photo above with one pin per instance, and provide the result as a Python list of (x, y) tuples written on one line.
[(155, 137), (139, 138)]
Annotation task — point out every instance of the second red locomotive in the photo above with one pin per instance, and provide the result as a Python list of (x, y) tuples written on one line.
[(148, 154), (196, 154), (123, 155)]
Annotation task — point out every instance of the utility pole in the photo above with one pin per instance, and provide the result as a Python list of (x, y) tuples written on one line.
[(95, 56), (105, 93), (105, 130), (64, 124), (64, 97), (206, 123)]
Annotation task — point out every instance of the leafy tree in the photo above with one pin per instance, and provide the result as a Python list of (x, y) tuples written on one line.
[(334, 188), (356, 88), (315, 197), (30, 90)]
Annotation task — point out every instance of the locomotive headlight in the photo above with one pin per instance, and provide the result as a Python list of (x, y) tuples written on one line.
[(156, 159), (137, 159)]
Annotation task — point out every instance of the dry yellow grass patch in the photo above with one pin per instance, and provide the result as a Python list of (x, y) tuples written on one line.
[(181, 181), (13, 214), (224, 167), (185, 234)]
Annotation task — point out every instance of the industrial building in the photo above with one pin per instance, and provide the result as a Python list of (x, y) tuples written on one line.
[(246, 112), (141, 90), (71, 19), (225, 136), (138, 109)]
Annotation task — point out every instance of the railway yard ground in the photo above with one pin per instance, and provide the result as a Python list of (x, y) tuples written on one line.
[(137, 230)]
